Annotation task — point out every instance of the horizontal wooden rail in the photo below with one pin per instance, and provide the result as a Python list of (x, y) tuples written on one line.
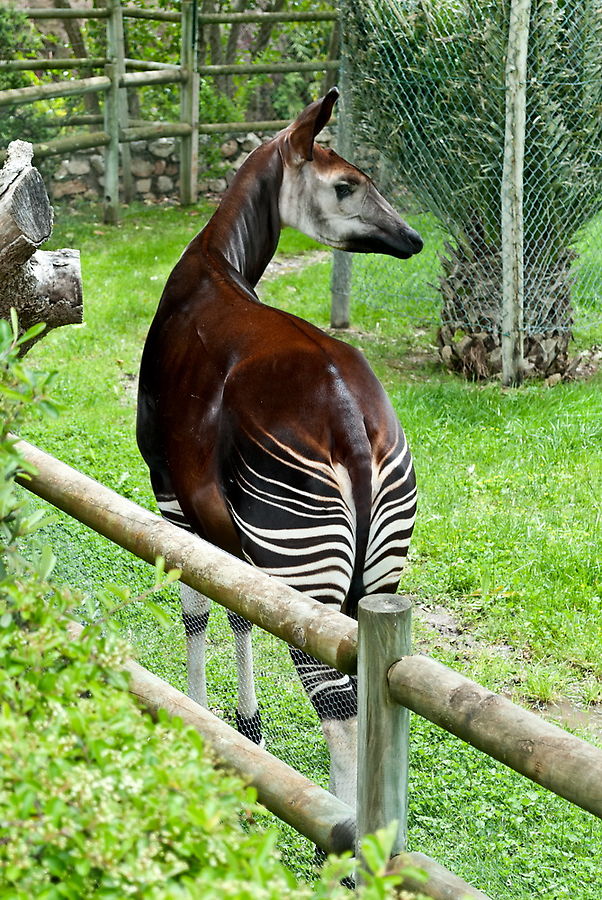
[(241, 127), (315, 65), (274, 17), (65, 13), (72, 88), (84, 119), (144, 65), (160, 15), (441, 884), (92, 62), (313, 811), (171, 75), (157, 15), (83, 140), (546, 754), (294, 617), (150, 130)]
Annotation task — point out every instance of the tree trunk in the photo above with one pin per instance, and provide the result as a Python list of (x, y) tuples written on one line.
[(469, 338), (42, 286), (80, 51)]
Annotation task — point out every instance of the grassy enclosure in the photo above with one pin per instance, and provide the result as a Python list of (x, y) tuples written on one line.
[(505, 563)]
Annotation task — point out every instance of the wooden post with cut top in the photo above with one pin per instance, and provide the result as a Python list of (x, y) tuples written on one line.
[(384, 637), (189, 108)]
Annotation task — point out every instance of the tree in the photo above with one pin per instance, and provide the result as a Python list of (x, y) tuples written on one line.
[(18, 40), (428, 85)]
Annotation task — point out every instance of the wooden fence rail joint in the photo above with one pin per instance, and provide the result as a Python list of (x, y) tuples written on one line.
[(517, 737)]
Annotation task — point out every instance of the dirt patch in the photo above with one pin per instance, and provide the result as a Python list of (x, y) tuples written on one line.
[(452, 634), (282, 265)]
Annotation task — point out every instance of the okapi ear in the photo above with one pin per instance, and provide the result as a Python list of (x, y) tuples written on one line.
[(308, 124)]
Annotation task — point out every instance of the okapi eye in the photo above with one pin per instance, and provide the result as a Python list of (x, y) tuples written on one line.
[(343, 189)]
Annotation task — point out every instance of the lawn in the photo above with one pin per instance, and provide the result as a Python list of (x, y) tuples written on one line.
[(505, 564)]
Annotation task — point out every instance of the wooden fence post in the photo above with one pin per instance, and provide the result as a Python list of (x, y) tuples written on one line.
[(512, 194), (111, 127), (384, 637), (189, 107), (115, 114)]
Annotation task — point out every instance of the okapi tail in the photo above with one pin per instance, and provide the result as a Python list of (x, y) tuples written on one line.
[(360, 473)]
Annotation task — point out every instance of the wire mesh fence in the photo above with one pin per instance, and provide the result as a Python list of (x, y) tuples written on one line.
[(429, 85)]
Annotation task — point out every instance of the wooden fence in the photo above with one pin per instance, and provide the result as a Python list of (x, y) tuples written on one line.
[(118, 131), (390, 681)]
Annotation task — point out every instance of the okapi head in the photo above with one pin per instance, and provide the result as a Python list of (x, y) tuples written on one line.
[(330, 200)]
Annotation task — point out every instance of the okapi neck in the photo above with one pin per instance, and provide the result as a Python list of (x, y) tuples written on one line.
[(246, 225)]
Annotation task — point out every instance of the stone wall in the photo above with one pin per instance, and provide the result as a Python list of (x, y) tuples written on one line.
[(155, 166)]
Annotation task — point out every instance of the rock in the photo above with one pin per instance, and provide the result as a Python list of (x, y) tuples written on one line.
[(142, 168), (69, 188), (143, 185), (447, 356), (251, 142), (162, 147), (217, 185), (554, 379), (97, 163), (495, 360), (160, 166), (229, 149), (137, 148), (78, 166), (62, 171), (164, 184), (239, 161)]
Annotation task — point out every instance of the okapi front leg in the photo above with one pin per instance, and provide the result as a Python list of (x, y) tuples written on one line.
[(334, 698), (248, 718), (195, 614)]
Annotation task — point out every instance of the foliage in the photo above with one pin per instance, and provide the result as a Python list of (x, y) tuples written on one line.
[(19, 40), (428, 82), (97, 799)]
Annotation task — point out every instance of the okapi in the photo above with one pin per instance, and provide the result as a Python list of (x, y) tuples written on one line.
[(268, 437)]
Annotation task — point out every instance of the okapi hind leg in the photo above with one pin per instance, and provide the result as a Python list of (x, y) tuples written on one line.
[(334, 697), (195, 615), (248, 718)]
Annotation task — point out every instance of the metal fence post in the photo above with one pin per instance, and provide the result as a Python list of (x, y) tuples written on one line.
[(384, 637), (512, 194), (189, 107), (340, 286)]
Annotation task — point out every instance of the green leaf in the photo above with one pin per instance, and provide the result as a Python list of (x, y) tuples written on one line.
[(158, 613)]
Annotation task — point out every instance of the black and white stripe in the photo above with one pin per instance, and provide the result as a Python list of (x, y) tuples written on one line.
[(392, 518), (295, 517)]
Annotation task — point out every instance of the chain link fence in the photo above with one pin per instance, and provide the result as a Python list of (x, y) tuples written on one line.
[(428, 82)]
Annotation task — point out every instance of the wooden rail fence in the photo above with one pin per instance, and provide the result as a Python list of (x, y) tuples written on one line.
[(117, 131), (390, 681)]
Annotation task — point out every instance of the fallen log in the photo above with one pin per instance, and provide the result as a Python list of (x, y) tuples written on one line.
[(43, 286)]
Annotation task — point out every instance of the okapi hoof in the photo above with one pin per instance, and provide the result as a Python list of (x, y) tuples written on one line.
[(250, 726)]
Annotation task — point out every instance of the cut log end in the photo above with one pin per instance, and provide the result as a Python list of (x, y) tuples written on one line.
[(42, 286)]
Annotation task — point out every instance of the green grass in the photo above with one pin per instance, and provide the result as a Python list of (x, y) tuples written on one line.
[(508, 540)]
